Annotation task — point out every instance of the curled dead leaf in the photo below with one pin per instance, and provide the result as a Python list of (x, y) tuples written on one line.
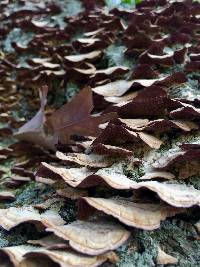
[(75, 118), (33, 130), (72, 118)]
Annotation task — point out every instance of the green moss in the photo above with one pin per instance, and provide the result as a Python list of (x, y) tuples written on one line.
[(194, 181), (32, 193), (17, 35), (69, 8), (135, 173), (173, 140), (139, 252), (71, 91), (115, 56), (128, 4), (59, 97), (18, 235), (26, 110), (177, 237), (69, 211), (5, 167), (189, 90)]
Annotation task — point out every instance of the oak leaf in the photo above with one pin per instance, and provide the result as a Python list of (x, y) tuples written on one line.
[(72, 118), (75, 118)]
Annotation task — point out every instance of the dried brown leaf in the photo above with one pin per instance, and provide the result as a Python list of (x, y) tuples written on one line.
[(74, 118), (33, 130)]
